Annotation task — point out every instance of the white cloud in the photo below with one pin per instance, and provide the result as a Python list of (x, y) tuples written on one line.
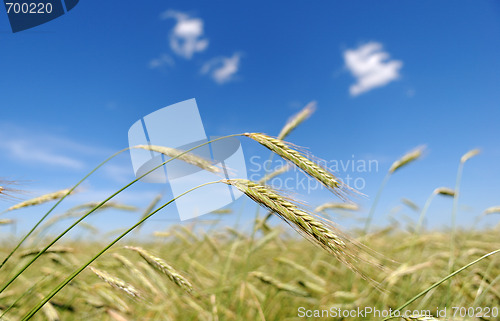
[(162, 61), (222, 69), (371, 67), (187, 36)]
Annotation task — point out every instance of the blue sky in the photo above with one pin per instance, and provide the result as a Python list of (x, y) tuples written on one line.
[(387, 76)]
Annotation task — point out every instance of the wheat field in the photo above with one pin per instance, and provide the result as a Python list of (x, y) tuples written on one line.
[(291, 264)]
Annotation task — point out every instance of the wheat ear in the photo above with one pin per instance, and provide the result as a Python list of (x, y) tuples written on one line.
[(298, 159), (297, 119), (136, 272), (469, 155), (164, 268), (6, 221), (264, 278), (54, 249), (117, 283), (444, 191), (313, 229), (39, 200), (492, 210), (342, 206), (407, 158), (179, 154)]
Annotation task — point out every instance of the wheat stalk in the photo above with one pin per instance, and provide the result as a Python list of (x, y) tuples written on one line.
[(49, 311), (298, 159), (410, 204), (75, 212), (150, 208), (445, 191), (454, 211), (297, 119), (165, 268), (406, 270), (215, 313), (2, 317), (403, 161), (261, 223), (211, 243), (265, 240), (112, 300), (117, 283), (179, 154), (313, 229), (39, 200)]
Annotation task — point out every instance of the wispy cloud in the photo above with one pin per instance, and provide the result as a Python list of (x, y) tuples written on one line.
[(37, 148), (163, 61), (371, 67), (186, 38), (27, 151), (222, 69)]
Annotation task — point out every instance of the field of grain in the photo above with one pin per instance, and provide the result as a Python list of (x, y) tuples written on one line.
[(307, 268)]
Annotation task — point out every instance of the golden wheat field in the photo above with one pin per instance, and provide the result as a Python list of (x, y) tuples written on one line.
[(232, 276)]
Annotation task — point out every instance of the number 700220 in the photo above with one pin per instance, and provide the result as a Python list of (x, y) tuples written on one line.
[(34, 8)]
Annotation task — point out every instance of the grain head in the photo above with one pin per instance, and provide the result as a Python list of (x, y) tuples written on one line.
[(469, 155), (312, 169), (179, 154), (117, 283), (297, 119), (164, 268), (407, 159)]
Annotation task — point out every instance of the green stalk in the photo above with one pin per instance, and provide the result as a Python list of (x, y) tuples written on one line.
[(55, 205), (25, 293), (451, 262), (437, 284), (422, 214), (98, 206), (375, 202), (47, 298)]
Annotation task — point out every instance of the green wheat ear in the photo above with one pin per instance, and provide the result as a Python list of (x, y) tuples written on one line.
[(309, 167), (318, 232), (164, 268)]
